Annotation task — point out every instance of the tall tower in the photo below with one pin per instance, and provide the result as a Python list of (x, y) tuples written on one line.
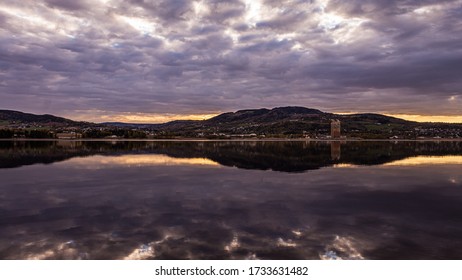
[(335, 129)]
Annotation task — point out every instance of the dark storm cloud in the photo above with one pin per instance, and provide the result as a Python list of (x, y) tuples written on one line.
[(194, 57)]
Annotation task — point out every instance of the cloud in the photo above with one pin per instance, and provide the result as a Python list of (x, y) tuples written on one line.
[(202, 57), (68, 5)]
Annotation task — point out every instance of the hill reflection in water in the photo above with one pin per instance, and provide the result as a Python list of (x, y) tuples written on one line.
[(180, 200), (286, 156)]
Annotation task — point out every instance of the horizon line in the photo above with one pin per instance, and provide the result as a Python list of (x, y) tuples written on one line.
[(149, 118)]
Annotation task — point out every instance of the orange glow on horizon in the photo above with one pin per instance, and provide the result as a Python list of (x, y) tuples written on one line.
[(426, 160), (148, 118), (128, 117), (95, 162), (141, 118), (416, 117), (423, 118)]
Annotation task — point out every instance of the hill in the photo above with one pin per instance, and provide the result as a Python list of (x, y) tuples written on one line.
[(287, 122), (266, 115), (282, 122), (15, 117)]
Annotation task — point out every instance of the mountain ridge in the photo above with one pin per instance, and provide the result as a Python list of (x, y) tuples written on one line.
[(277, 113), (289, 121), (12, 115)]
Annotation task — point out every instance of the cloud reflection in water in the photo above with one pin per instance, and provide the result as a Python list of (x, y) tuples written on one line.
[(99, 207)]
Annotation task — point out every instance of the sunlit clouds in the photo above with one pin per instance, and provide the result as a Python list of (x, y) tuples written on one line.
[(423, 118), (135, 117), (154, 61)]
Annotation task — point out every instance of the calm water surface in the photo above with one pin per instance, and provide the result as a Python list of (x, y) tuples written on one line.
[(230, 200)]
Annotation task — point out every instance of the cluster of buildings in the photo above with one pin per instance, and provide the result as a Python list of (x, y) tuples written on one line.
[(69, 135)]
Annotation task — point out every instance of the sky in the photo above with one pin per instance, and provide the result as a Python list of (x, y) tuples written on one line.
[(155, 61)]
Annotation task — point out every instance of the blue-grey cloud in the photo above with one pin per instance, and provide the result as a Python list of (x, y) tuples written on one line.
[(200, 57)]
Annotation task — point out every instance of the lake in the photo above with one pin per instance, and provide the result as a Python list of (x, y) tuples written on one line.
[(230, 200)]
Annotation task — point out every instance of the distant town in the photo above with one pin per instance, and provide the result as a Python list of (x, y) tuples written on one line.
[(283, 122)]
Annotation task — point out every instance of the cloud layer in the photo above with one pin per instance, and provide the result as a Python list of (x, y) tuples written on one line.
[(110, 58)]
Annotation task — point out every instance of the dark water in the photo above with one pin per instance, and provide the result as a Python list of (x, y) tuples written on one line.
[(230, 200)]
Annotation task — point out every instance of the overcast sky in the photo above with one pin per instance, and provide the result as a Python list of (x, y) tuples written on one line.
[(147, 60)]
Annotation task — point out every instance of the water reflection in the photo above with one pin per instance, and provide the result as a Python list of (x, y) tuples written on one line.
[(335, 150), (427, 160), (189, 201), (137, 161), (153, 160), (293, 156)]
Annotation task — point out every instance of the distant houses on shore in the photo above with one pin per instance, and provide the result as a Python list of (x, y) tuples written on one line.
[(69, 135)]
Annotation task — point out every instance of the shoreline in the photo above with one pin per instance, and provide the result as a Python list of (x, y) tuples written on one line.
[(233, 140)]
